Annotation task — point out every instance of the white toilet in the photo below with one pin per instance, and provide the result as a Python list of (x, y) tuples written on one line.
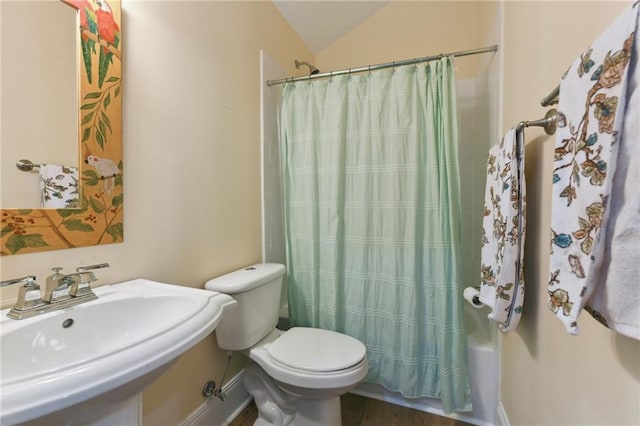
[(297, 376)]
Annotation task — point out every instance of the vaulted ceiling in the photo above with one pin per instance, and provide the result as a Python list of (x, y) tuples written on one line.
[(320, 23)]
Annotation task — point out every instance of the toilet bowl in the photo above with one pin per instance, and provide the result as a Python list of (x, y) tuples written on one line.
[(321, 361), (296, 377)]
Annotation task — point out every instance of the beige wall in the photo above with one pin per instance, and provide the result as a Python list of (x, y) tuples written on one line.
[(549, 377), (406, 30), (192, 164)]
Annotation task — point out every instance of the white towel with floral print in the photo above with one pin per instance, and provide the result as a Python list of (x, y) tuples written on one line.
[(58, 186), (593, 98), (502, 285)]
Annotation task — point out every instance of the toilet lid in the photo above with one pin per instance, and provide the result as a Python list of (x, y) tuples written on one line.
[(313, 349)]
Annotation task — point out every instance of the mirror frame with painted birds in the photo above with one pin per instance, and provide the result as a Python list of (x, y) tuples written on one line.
[(99, 218)]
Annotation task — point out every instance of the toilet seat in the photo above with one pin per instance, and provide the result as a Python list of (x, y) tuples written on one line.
[(290, 368), (316, 350)]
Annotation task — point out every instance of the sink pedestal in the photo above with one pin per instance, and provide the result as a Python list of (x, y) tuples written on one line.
[(127, 412)]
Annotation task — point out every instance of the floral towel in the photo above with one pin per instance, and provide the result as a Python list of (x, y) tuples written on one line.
[(502, 286), (58, 186), (593, 98)]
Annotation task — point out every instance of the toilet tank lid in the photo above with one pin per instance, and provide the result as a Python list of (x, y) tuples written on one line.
[(246, 278)]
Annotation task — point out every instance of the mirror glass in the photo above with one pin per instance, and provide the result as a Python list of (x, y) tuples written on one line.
[(61, 108), (39, 95)]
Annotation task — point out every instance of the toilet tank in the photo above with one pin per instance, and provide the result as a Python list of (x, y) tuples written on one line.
[(256, 288)]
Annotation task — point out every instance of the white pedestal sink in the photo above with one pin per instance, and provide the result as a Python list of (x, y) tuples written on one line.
[(85, 363)]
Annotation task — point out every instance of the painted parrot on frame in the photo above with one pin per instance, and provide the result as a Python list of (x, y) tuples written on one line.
[(106, 170), (96, 18), (108, 31), (88, 22)]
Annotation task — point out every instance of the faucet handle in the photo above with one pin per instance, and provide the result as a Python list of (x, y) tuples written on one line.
[(90, 267), (85, 276), (29, 297), (28, 280), (30, 291), (56, 270)]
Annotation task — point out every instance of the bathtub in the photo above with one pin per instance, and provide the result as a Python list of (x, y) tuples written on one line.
[(483, 370), (483, 365)]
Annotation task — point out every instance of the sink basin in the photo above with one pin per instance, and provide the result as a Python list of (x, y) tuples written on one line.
[(113, 346)]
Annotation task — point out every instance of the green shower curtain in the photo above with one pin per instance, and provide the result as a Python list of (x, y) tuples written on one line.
[(372, 218)]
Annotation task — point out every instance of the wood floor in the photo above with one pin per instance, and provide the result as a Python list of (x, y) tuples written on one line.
[(360, 411)]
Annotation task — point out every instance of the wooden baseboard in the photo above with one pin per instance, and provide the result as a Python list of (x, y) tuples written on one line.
[(216, 412)]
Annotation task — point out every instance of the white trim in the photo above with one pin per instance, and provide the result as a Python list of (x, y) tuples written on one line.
[(501, 415), (139, 407), (263, 224), (269, 160), (215, 412), (502, 44)]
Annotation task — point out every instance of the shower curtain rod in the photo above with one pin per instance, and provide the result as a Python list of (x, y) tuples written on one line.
[(487, 49)]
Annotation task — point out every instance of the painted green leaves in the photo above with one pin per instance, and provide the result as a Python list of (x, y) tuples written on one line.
[(17, 242), (17, 227), (95, 120), (97, 215)]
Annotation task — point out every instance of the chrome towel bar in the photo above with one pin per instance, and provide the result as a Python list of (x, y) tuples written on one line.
[(549, 122), (26, 165)]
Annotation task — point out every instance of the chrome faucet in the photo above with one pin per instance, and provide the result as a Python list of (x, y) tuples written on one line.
[(28, 296), (60, 291), (84, 276), (56, 281)]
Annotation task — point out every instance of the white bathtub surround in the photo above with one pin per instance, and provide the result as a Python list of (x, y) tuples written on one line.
[(483, 375), (273, 248)]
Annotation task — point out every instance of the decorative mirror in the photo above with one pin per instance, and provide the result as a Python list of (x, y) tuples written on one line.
[(92, 192)]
